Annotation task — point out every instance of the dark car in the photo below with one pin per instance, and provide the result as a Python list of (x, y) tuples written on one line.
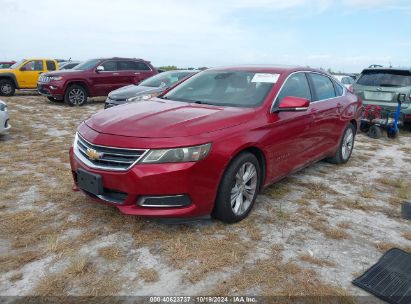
[(68, 65), (213, 142), (6, 64), (148, 88), (95, 77), (381, 86)]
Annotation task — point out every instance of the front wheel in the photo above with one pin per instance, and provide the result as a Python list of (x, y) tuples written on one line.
[(75, 96), (346, 146), (7, 87), (238, 189)]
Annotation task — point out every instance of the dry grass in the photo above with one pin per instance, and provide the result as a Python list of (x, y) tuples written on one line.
[(78, 266), (110, 253), (316, 261), (278, 190), (367, 192), (407, 235), (148, 275)]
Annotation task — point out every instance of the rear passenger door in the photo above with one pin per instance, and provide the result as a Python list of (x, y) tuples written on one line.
[(327, 106), (130, 74)]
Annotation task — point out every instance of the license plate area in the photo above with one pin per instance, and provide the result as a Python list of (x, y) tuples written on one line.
[(90, 182)]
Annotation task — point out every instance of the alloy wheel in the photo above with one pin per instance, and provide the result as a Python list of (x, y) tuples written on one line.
[(6, 89), (347, 144), (76, 96), (244, 189)]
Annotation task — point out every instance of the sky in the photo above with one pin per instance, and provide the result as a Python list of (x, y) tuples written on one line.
[(344, 35)]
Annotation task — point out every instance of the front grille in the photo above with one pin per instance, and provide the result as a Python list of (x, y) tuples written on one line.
[(44, 79), (108, 158)]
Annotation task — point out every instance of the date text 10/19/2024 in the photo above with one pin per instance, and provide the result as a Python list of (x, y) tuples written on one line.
[(199, 299)]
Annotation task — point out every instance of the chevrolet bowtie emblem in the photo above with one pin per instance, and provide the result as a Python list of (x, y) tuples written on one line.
[(93, 154)]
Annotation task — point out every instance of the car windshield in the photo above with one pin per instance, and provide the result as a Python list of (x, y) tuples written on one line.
[(384, 78), (225, 88), (87, 65), (165, 79), (17, 64)]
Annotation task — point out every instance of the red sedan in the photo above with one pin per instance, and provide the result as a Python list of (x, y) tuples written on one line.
[(210, 144)]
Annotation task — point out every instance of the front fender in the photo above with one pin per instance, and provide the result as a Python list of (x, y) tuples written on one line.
[(10, 76)]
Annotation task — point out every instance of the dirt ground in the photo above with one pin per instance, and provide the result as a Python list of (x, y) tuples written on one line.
[(310, 234)]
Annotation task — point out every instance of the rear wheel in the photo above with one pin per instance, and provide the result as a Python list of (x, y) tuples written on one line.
[(375, 132), (346, 146), (7, 87), (238, 189), (75, 96)]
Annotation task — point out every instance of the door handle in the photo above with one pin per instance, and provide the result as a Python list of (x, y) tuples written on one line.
[(115, 74), (136, 73)]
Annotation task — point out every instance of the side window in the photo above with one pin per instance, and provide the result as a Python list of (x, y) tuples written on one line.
[(51, 66), (34, 65), (338, 89), (142, 66), (345, 80), (323, 86), (110, 66), (127, 65), (297, 86)]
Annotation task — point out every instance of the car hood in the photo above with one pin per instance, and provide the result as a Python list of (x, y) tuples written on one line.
[(132, 91), (6, 70), (63, 72), (158, 118)]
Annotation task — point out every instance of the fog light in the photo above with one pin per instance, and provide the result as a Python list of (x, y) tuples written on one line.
[(53, 87), (164, 201)]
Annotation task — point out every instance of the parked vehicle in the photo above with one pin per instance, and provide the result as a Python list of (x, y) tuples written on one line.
[(210, 144), (382, 86), (346, 80), (6, 64), (146, 89), (69, 65), (24, 74), (4, 118), (95, 77)]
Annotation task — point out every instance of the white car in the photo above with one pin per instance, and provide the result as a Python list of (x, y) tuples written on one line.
[(346, 80), (4, 118)]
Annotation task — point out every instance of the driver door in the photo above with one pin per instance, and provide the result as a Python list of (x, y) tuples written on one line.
[(29, 74)]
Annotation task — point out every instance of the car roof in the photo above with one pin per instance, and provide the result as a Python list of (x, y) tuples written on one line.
[(268, 69), (388, 69), (119, 58)]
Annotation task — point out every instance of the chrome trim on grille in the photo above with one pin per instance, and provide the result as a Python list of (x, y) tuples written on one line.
[(44, 79), (112, 158)]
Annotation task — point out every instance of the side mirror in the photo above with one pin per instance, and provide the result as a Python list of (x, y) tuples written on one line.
[(291, 103), (99, 69)]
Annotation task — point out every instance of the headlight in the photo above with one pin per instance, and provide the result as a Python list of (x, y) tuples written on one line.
[(3, 107), (177, 155), (142, 97), (56, 78)]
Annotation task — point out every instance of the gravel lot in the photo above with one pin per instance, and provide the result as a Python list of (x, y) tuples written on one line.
[(310, 234)]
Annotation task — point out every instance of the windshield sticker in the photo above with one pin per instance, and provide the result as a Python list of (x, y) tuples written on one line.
[(267, 78)]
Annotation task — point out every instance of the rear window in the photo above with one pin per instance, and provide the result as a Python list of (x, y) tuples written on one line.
[(381, 78)]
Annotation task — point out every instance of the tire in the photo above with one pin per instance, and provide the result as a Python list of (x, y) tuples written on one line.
[(392, 133), (364, 127), (53, 99), (7, 87), (75, 95), (227, 208), (345, 147), (375, 132)]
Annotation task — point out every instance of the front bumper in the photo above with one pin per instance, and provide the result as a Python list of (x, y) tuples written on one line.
[(128, 190), (4, 122), (50, 90)]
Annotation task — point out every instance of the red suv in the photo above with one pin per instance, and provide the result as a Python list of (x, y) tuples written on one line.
[(95, 77), (210, 144)]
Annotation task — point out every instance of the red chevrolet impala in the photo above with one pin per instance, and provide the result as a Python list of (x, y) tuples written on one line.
[(210, 144)]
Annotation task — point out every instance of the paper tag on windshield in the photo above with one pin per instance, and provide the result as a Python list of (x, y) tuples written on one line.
[(267, 78)]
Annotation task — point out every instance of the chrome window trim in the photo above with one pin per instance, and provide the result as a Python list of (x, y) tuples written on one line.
[(89, 164), (312, 72)]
